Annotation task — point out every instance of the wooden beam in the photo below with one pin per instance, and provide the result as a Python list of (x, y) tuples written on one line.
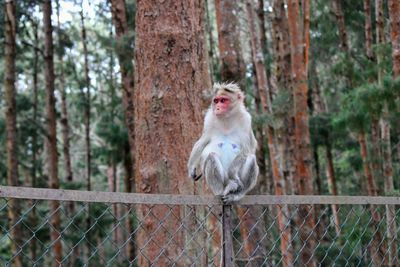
[(156, 199)]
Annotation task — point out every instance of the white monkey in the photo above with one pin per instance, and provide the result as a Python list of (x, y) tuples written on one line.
[(225, 153)]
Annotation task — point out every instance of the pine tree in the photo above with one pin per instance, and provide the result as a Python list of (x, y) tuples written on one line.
[(51, 137)]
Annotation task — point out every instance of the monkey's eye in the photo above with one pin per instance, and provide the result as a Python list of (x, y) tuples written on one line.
[(220, 100)]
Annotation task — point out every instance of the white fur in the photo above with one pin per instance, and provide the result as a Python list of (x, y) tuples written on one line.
[(232, 129)]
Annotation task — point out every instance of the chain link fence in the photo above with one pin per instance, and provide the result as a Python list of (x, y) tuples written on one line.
[(117, 229)]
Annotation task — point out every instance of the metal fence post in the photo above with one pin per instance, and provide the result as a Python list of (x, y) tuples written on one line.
[(227, 244)]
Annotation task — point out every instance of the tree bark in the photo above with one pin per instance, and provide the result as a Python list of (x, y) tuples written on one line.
[(33, 216), (11, 127), (87, 101), (330, 174), (125, 58), (264, 44), (368, 29), (279, 182), (280, 35), (64, 111), (129, 187), (171, 70), (394, 15), (299, 43), (392, 241), (230, 51), (338, 11), (376, 157), (51, 137), (209, 31), (386, 147), (375, 247)]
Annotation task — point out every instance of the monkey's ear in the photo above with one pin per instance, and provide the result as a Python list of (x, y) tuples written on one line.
[(240, 96)]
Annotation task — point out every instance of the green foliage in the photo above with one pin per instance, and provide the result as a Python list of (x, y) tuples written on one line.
[(365, 103), (64, 42), (115, 137), (321, 128)]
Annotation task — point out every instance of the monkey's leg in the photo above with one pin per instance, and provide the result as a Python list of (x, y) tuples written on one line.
[(247, 173), (234, 183), (215, 174)]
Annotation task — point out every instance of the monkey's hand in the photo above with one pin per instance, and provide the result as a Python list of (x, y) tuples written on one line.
[(230, 198), (233, 191), (193, 173)]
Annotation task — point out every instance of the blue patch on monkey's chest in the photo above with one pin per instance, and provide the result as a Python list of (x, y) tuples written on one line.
[(227, 152)]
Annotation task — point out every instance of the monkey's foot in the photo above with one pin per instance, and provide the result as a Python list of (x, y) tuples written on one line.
[(227, 199), (232, 197), (233, 187)]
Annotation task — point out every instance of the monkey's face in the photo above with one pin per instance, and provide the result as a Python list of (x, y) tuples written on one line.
[(221, 105)]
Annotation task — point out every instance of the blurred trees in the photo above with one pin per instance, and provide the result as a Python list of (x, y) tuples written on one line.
[(322, 83)]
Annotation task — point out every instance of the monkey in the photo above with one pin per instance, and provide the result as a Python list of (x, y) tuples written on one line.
[(225, 152)]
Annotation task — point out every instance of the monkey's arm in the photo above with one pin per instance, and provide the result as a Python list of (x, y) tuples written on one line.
[(194, 170), (253, 142)]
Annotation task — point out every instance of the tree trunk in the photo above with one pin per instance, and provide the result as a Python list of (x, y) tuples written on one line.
[(118, 11), (125, 58), (392, 241), (232, 63), (129, 185), (263, 43), (51, 137), (338, 11), (87, 104), (280, 35), (319, 107), (330, 174), (11, 127), (233, 69), (375, 247), (171, 70), (279, 182), (375, 154), (112, 187), (64, 111), (265, 181), (86, 120), (394, 14), (368, 29), (33, 216), (209, 30), (299, 44), (386, 144)]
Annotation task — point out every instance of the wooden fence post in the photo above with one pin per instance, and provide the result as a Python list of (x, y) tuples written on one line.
[(227, 244)]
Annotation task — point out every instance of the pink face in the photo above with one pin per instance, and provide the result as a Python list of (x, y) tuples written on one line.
[(221, 105)]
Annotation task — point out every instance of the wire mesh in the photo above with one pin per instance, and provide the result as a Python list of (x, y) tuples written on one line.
[(107, 234)]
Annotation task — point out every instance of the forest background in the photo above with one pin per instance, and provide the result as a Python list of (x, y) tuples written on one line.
[(110, 95)]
